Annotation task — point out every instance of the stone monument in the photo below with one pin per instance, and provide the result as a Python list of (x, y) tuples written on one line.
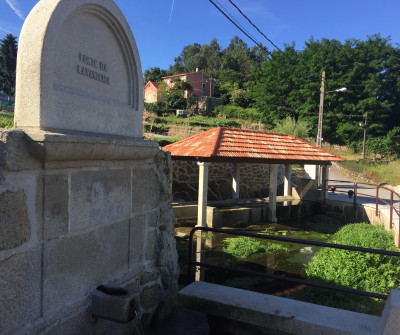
[(85, 202), (79, 70)]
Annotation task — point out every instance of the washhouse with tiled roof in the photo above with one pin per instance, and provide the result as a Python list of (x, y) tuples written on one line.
[(246, 146), (239, 146)]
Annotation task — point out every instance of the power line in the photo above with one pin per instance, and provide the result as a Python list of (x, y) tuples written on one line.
[(233, 4), (242, 30), (233, 18), (312, 77)]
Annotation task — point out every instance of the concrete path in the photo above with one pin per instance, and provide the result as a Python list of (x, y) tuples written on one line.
[(366, 194)]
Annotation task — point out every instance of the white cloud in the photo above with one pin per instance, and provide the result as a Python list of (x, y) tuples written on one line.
[(13, 6)]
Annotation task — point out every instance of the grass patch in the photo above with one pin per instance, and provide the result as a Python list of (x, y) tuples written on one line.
[(6, 119), (163, 141), (192, 122), (377, 171)]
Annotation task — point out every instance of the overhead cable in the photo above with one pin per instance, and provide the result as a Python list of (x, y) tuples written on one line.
[(242, 30)]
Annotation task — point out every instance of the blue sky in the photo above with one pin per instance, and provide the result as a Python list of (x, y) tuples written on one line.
[(163, 27)]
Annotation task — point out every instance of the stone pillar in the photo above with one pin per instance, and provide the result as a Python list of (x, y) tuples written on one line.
[(311, 172), (201, 215), (287, 190), (236, 181), (273, 185), (202, 195), (324, 178)]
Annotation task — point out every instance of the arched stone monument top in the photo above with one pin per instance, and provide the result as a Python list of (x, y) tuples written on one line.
[(78, 70)]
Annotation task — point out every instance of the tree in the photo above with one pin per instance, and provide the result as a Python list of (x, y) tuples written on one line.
[(288, 84), (290, 126), (154, 74), (8, 64), (173, 97)]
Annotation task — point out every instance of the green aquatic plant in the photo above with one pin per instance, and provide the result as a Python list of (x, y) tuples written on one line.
[(244, 247)]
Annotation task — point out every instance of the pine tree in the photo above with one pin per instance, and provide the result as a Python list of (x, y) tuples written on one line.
[(8, 63)]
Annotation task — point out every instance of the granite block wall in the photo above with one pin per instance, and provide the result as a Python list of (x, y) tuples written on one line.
[(68, 226)]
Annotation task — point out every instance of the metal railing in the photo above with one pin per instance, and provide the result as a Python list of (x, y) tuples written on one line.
[(378, 200), (192, 262)]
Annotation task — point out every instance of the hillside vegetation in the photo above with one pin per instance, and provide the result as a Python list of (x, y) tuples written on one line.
[(266, 89)]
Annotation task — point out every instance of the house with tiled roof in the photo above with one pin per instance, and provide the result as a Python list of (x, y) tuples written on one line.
[(151, 93), (202, 86)]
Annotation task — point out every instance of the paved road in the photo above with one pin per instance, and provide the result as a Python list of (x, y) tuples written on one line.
[(366, 194)]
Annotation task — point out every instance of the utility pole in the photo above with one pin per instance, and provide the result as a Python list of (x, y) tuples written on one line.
[(319, 132), (321, 111), (365, 133)]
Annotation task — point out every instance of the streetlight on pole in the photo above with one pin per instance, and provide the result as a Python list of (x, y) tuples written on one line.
[(321, 107), (321, 116)]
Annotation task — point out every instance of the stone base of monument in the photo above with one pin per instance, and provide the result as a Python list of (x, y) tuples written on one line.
[(78, 211)]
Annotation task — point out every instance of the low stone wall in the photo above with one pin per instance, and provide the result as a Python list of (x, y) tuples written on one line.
[(254, 180), (77, 212)]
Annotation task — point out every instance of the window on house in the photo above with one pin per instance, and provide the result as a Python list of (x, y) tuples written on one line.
[(204, 85)]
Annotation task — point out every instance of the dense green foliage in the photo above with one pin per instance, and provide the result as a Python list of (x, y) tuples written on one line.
[(290, 126), (154, 74), (8, 63), (240, 113), (243, 247), (173, 97), (289, 84), (6, 119), (362, 271)]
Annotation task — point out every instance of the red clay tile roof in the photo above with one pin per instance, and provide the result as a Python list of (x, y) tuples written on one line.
[(236, 145), (150, 82)]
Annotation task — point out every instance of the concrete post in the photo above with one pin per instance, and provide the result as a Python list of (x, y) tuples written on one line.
[(391, 314), (311, 172), (236, 181), (287, 190), (324, 178), (273, 186), (202, 195), (201, 215)]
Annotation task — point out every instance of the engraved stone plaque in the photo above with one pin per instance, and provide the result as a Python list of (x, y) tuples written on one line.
[(78, 70)]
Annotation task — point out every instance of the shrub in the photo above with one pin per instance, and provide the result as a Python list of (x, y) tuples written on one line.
[(290, 126), (236, 112), (6, 119), (362, 271)]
